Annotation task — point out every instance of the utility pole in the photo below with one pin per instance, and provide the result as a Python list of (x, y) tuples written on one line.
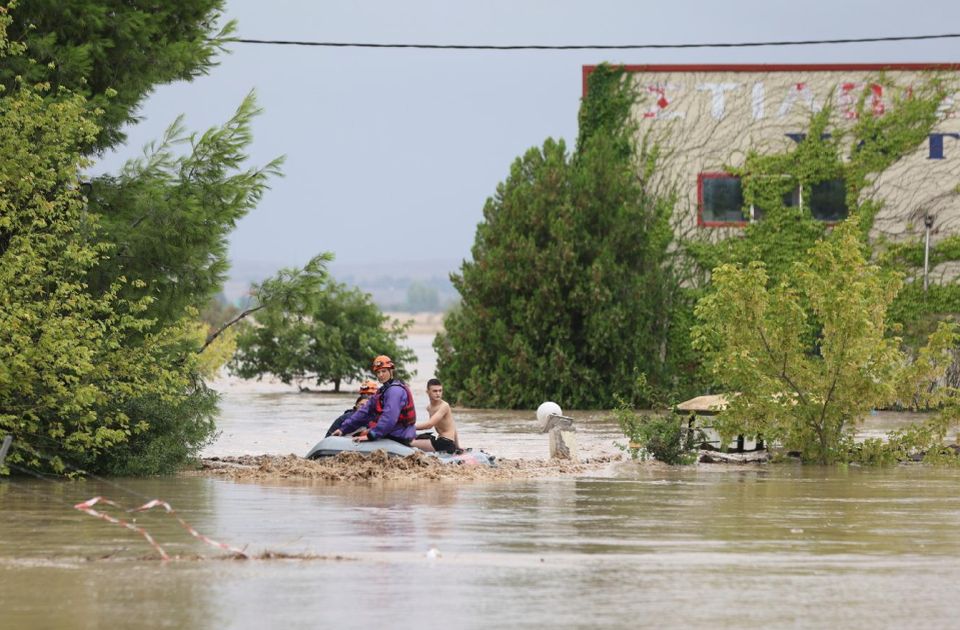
[(928, 222)]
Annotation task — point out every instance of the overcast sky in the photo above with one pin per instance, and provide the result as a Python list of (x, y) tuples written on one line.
[(390, 154)]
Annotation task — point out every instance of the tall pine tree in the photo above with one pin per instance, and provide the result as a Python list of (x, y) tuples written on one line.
[(570, 295)]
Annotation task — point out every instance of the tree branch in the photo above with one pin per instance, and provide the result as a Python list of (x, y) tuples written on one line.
[(783, 371), (833, 385), (216, 333)]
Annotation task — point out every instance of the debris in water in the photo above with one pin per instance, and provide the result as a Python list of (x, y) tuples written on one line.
[(378, 466)]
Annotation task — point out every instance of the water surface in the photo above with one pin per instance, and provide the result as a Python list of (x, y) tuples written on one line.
[(781, 546), (629, 546)]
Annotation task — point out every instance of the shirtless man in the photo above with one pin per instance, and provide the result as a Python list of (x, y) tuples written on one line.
[(441, 420)]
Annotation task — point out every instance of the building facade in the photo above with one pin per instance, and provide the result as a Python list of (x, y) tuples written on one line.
[(707, 118)]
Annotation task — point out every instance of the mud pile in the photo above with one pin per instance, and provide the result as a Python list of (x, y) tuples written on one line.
[(378, 466)]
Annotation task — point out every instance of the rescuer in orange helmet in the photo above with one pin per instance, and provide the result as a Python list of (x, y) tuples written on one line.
[(390, 413), (367, 389)]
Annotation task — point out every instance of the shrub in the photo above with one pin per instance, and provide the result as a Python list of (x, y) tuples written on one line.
[(662, 436)]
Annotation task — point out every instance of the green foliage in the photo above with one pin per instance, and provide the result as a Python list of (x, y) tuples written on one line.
[(923, 441), (311, 327), (788, 340), (571, 292), (216, 352), (104, 367), (606, 112), (875, 452), (68, 374), (919, 311), (177, 430), (113, 53), (854, 152), (661, 436), (169, 216), (755, 339)]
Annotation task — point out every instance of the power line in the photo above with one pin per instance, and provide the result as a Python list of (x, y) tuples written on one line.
[(801, 42)]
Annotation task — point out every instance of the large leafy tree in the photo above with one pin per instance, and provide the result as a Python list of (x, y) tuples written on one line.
[(755, 336), (571, 295), (164, 220), (68, 374), (113, 52), (169, 212), (311, 328)]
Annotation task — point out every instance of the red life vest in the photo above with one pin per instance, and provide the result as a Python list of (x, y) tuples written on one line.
[(408, 414)]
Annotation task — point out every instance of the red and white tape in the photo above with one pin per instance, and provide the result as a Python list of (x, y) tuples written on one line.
[(169, 510), (87, 507)]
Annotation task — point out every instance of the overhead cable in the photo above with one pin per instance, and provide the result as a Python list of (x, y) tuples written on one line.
[(801, 42)]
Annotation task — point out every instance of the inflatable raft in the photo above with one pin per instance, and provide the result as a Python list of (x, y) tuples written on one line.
[(335, 444)]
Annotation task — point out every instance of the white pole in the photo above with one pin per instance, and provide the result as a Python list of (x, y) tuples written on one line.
[(928, 222), (4, 448)]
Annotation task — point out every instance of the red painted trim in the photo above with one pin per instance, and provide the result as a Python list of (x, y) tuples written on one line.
[(700, 221), (775, 67)]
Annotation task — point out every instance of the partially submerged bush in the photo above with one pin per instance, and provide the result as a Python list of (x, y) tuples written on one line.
[(923, 442), (661, 436)]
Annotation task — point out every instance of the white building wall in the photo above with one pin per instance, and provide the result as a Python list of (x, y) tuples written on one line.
[(708, 117)]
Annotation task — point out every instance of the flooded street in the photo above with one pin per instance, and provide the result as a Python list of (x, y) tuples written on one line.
[(627, 545)]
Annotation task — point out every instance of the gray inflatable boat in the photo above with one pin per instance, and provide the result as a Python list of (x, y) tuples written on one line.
[(336, 444)]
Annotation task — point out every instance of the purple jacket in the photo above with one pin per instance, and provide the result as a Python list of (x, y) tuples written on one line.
[(394, 399)]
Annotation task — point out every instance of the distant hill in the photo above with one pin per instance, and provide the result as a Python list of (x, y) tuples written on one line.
[(408, 286)]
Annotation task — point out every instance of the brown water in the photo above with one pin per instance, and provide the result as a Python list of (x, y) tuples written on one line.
[(627, 546)]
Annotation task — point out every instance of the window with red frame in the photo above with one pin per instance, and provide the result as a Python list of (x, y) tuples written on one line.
[(720, 199)]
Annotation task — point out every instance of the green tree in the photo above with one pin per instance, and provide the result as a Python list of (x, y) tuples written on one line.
[(113, 52), (165, 218), (571, 294), (309, 327), (169, 215), (68, 375), (755, 339)]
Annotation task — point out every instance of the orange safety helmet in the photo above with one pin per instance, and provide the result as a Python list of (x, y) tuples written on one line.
[(369, 388), (383, 361)]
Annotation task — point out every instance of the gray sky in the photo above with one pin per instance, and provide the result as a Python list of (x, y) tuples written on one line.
[(390, 154)]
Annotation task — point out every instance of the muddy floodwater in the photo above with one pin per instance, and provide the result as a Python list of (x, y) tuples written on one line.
[(616, 544)]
